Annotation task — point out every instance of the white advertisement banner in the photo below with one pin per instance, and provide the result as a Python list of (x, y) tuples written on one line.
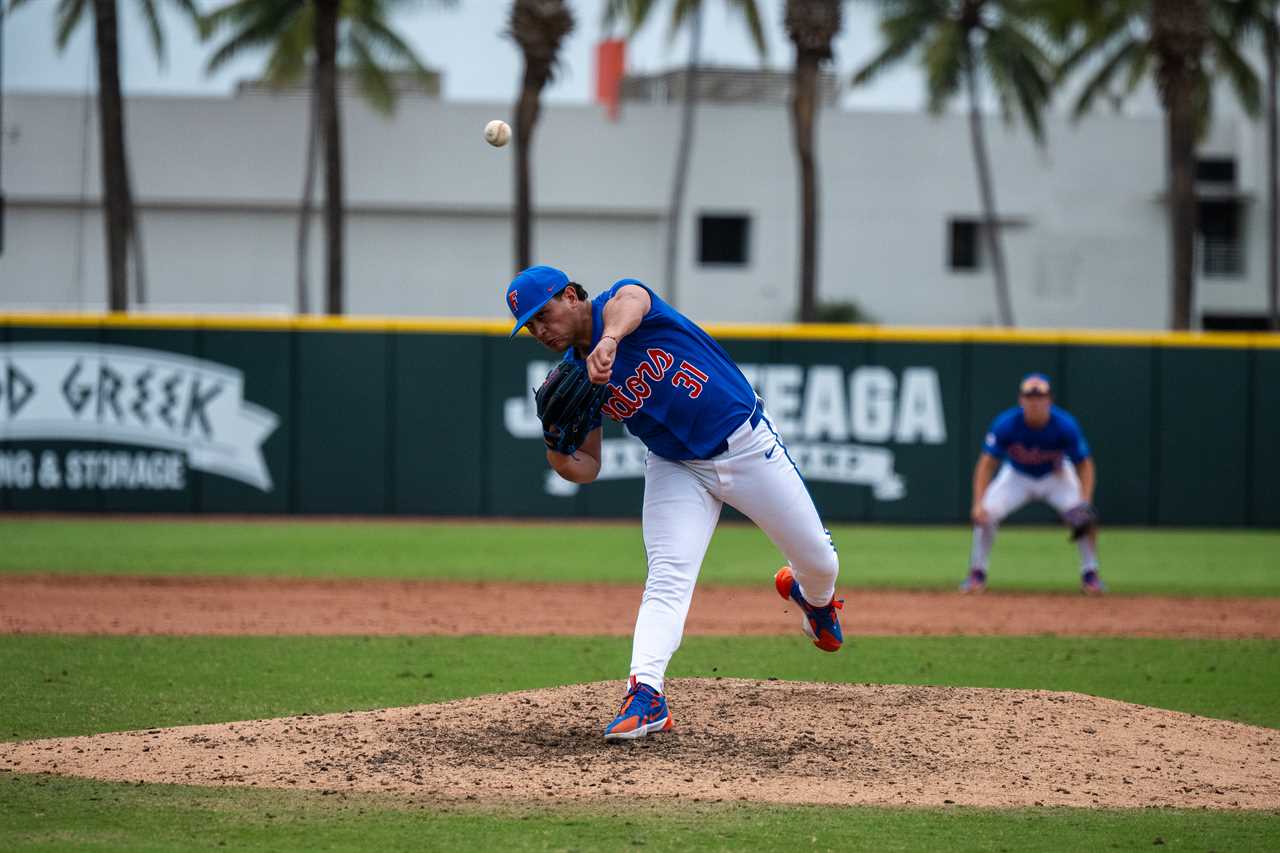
[(137, 397)]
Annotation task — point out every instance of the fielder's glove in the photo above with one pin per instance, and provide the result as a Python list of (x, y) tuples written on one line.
[(1081, 519), (569, 406)]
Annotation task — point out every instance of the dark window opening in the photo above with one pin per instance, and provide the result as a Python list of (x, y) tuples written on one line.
[(1221, 242), (1235, 322), (1216, 171), (963, 248), (723, 239)]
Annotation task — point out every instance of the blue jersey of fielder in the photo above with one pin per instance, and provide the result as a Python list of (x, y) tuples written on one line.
[(1036, 452), (672, 385)]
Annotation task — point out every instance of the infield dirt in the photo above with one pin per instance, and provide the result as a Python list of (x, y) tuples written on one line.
[(776, 742)]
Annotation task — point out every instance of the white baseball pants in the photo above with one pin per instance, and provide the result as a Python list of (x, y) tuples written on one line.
[(682, 502), (1011, 489)]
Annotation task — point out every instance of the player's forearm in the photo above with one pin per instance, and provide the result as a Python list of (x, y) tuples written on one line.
[(578, 467), (1088, 479), (982, 474), (622, 314)]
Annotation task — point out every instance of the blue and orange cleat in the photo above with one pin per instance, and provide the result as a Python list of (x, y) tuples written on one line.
[(643, 712), (975, 583), (820, 624), (1091, 584)]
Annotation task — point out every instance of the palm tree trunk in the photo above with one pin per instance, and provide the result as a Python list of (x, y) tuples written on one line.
[(804, 105), (308, 194), (986, 188), (117, 204), (326, 38), (1273, 182), (528, 108), (684, 151), (1180, 121), (135, 245)]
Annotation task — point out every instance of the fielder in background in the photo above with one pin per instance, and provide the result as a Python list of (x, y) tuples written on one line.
[(709, 442), (1045, 457)]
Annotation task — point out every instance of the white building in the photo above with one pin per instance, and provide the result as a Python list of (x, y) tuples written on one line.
[(429, 226)]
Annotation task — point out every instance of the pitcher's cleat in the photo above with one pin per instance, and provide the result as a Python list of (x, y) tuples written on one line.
[(1091, 584), (975, 583), (820, 624), (643, 712)]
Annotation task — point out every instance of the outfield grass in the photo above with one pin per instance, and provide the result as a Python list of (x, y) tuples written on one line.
[(50, 813), (79, 685), (1173, 562)]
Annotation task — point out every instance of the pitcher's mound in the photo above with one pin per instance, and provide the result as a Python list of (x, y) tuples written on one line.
[(771, 741)]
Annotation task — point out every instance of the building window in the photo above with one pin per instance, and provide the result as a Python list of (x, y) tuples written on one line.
[(1221, 239), (723, 240), (963, 246), (1235, 322), (1219, 171)]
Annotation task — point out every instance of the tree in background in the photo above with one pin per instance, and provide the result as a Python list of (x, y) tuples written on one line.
[(1173, 41), (684, 13), (539, 27), (366, 45), (812, 25), (960, 43), (119, 217), (1260, 19)]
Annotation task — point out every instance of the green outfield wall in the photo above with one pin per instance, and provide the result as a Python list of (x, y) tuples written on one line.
[(113, 413)]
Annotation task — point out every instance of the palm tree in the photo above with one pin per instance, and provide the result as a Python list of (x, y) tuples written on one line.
[(635, 13), (1174, 41), (959, 42), (812, 25), (1261, 19), (119, 219), (538, 27), (304, 36)]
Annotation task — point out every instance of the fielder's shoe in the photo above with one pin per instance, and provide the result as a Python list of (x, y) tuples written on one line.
[(820, 624), (975, 583), (1091, 584), (643, 711)]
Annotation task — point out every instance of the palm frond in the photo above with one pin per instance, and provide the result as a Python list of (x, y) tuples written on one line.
[(287, 63), (1100, 82), (151, 17), (1021, 72), (373, 81), (1244, 81), (255, 25), (630, 14), (903, 32), (750, 13), (68, 15), (944, 62)]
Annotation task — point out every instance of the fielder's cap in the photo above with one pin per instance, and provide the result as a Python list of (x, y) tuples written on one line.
[(532, 289), (1034, 385)]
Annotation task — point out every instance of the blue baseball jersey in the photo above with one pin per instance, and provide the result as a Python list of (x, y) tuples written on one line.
[(1036, 452), (672, 385)]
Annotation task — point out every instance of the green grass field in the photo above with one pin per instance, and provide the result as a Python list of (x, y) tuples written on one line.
[(1166, 562), (79, 685)]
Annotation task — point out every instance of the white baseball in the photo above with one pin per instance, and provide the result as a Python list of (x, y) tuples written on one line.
[(497, 133)]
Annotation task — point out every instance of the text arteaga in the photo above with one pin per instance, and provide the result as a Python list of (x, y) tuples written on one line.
[(836, 422), (130, 396)]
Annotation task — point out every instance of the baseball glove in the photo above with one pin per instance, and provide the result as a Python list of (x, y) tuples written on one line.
[(569, 406), (1081, 519)]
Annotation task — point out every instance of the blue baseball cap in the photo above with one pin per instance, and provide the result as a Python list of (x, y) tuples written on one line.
[(532, 289), (1034, 385)]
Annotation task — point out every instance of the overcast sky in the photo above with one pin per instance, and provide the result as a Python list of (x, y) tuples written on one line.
[(465, 42)]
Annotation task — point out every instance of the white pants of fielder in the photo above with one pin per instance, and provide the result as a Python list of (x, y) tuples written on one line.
[(1010, 490), (682, 502)]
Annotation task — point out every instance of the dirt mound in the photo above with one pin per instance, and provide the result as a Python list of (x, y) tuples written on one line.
[(778, 742), (47, 604)]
